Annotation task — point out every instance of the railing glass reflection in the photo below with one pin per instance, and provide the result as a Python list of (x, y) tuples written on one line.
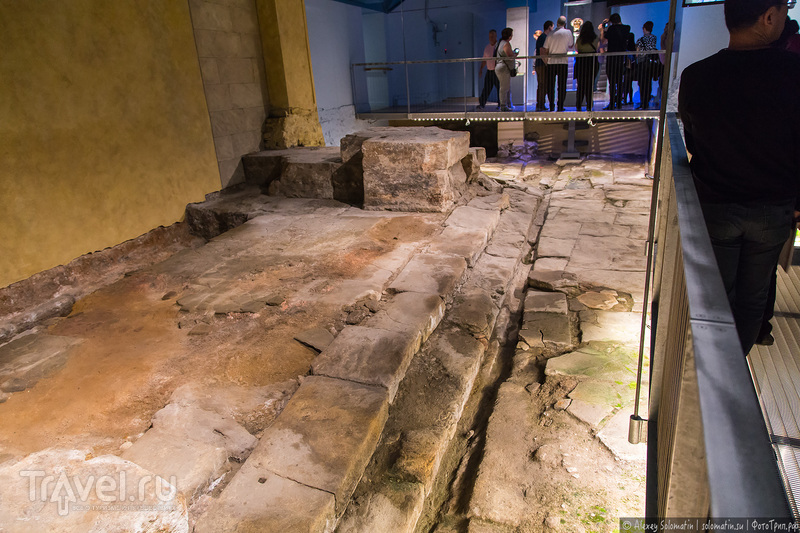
[(621, 81)]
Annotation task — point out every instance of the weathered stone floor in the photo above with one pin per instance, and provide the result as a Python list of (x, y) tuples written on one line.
[(555, 455), (323, 367)]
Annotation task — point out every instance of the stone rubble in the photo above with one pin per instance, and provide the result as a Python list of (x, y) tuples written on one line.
[(421, 309), (588, 272)]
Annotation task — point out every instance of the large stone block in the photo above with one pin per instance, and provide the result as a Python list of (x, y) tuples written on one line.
[(350, 145), (411, 313), (191, 445), (325, 436), (431, 273), (414, 169), (368, 355), (308, 172), (262, 168), (259, 501)]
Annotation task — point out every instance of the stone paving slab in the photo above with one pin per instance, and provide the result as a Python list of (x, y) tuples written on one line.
[(463, 242), (546, 264), (596, 364), (474, 218), (492, 202), (584, 216), (605, 230), (546, 302), (632, 219), (551, 331), (412, 313), (475, 311), (608, 253), (32, 504), (610, 326), (566, 230), (28, 359), (497, 496), (257, 500), (550, 247), (325, 435), (615, 436), (553, 280), (631, 282), (368, 355), (431, 273), (191, 445), (492, 274)]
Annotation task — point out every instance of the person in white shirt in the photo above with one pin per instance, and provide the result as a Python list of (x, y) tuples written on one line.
[(490, 81), (559, 42)]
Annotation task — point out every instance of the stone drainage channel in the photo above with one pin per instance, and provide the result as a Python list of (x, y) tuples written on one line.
[(541, 443)]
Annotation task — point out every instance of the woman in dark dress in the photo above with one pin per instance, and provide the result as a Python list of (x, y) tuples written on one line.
[(585, 67)]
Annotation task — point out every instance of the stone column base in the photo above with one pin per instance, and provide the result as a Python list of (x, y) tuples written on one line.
[(298, 128)]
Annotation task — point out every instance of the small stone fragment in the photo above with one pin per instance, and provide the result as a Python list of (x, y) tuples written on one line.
[(532, 387), (253, 306), (200, 329), (546, 454), (599, 300), (316, 338), (274, 300), (552, 522), (562, 404)]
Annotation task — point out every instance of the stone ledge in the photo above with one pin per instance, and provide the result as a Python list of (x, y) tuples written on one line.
[(368, 355), (258, 500), (431, 273)]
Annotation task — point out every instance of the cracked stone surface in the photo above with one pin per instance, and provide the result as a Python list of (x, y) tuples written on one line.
[(324, 410), (163, 508), (587, 266)]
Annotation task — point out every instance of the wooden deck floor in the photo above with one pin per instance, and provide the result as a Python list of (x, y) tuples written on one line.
[(776, 373)]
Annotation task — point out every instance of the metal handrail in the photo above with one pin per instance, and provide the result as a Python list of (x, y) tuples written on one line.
[(476, 59), (709, 447)]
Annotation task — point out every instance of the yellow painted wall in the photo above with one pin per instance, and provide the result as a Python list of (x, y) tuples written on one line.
[(104, 128), (289, 75)]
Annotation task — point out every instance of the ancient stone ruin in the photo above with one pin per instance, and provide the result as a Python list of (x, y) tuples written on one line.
[(397, 169)]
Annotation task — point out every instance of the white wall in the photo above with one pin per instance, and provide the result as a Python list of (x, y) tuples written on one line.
[(636, 15), (336, 40), (703, 33)]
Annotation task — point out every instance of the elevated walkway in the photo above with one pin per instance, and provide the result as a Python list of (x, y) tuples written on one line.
[(776, 373)]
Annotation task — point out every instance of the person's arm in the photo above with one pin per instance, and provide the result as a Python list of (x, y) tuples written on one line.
[(684, 114), (508, 50)]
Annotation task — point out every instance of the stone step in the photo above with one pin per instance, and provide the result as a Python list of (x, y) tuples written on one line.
[(309, 461), (423, 421), (230, 208)]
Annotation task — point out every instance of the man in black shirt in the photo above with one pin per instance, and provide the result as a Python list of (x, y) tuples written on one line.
[(741, 116), (542, 81), (617, 35)]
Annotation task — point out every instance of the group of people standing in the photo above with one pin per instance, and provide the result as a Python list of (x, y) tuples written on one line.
[(551, 65)]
